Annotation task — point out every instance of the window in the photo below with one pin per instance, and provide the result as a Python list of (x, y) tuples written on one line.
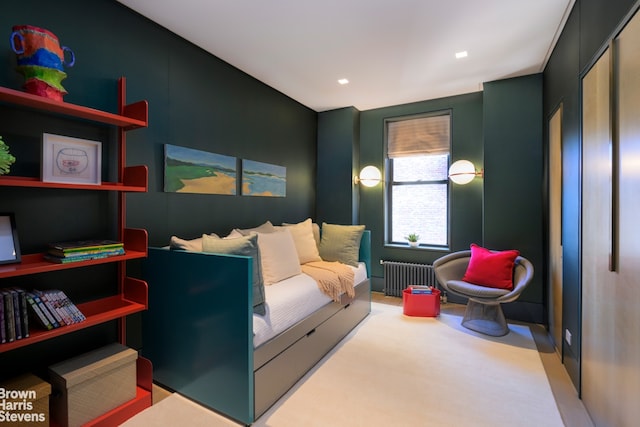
[(418, 191)]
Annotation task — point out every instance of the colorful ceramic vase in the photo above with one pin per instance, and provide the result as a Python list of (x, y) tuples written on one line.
[(40, 60)]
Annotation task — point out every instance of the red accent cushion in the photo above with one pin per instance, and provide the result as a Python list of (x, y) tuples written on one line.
[(491, 269)]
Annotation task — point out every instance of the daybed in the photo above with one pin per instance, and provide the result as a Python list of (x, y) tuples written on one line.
[(199, 330)]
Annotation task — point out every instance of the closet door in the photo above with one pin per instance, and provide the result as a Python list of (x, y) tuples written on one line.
[(627, 287), (598, 324), (555, 228), (611, 233)]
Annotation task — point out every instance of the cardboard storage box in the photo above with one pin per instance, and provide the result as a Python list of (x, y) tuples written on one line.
[(421, 305), (25, 401), (92, 384)]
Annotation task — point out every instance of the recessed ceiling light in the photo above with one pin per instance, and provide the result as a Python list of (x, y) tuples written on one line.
[(462, 54), (343, 81)]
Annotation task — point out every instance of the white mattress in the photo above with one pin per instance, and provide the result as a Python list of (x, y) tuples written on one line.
[(290, 301)]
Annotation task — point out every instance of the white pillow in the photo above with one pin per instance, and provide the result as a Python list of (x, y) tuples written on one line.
[(234, 234), (306, 246), (278, 256), (316, 233)]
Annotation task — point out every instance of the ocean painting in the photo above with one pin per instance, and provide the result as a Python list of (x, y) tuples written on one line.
[(194, 171), (263, 179)]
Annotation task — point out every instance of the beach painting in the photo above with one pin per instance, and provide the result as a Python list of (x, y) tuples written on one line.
[(263, 179), (187, 170)]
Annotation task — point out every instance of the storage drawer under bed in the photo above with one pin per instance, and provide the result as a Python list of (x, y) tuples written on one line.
[(275, 378)]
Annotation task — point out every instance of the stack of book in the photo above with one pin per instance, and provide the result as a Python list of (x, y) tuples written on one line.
[(14, 319), (51, 309), (83, 250), (420, 289)]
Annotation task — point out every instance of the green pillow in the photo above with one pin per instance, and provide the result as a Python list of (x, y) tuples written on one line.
[(246, 246), (341, 243)]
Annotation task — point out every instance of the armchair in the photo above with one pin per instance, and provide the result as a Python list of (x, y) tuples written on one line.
[(483, 312)]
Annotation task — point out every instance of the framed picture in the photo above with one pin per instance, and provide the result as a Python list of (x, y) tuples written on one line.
[(9, 245), (263, 179), (187, 170), (71, 160)]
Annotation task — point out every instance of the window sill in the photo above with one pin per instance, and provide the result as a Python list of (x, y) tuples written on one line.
[(418, 248)]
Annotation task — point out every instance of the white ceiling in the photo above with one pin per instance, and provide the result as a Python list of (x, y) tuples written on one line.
[(392, 51)]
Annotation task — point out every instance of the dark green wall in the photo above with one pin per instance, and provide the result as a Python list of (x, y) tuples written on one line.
[(513, 163), (588, 28), (338, 143), (195, 100), (501, 211), (466, 201)]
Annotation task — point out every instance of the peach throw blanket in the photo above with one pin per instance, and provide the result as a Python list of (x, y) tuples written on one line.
[(333, 278)]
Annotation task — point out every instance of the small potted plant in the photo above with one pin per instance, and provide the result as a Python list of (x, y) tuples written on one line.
[(413, 239), (6, 159)]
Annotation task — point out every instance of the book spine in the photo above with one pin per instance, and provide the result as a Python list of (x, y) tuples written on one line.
[(421, 290), (17, 313), (24, 312), (55, 300), (75, 312), (89, 248), (9, 317), (88, 253), (80, 246), (63, 303), (65, 260), (52, 309), (3, 332), (42, 318), (45, 310)]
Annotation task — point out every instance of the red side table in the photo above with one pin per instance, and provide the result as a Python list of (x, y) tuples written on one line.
[(421, 305)]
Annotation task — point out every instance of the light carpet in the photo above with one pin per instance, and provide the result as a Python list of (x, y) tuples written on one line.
[(395, 370)]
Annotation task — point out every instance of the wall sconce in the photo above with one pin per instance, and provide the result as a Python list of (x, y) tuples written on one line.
[(370, 176), (463, 172)]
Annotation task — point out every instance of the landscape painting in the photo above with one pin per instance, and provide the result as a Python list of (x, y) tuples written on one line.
[(187, 170), (263, 179)]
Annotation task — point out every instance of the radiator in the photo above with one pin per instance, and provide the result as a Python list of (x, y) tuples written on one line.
[(400, 275)]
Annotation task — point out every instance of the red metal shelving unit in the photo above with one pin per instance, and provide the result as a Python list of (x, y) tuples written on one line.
[(133, 293)]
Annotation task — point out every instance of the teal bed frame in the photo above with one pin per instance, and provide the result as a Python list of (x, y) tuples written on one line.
[(198, 332)]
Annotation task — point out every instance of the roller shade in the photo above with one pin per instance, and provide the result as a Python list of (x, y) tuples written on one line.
[(419, 136)]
